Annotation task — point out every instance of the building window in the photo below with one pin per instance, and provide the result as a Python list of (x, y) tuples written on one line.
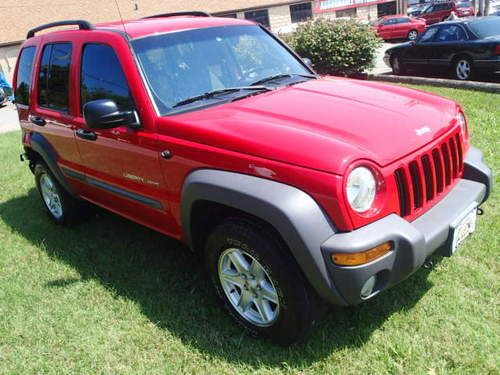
[(53, 78), (259, 16), (229, 15), (301, 12), (346, 13)]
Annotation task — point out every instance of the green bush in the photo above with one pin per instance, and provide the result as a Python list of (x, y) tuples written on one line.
[(339, 47)]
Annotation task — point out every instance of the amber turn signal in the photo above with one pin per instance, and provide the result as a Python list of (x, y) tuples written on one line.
[(355, 259)]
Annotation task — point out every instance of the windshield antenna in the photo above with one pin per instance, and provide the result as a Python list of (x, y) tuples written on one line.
[(121, 18)]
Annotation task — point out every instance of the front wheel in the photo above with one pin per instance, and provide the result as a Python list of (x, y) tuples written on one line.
[(462, 69), (397, 66), (259, 283)]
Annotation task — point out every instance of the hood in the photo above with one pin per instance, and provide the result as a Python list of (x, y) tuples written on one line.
[(324, 124)]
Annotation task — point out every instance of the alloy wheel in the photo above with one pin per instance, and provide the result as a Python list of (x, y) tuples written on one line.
[(248, 287), (51, 196), (463, 69), (412, 35)]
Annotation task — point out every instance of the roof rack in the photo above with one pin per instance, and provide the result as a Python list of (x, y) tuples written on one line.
[(194, 13), (83, 25)]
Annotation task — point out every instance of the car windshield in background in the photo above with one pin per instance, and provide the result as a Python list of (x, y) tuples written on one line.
[(194, 67), (464, 4), (486, 27)]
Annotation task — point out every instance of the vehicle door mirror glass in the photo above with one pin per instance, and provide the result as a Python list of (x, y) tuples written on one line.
[(104, 114)]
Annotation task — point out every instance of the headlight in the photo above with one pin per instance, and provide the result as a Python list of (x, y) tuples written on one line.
[(462, 122), (361, 188)]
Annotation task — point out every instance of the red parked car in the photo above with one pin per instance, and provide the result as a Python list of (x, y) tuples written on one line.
[(399, 27), (294, 189)]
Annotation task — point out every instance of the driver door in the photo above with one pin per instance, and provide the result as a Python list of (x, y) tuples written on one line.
[(418, 54), (121, 165)]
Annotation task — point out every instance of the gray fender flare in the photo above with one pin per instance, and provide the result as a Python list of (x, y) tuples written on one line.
[(293, 213), (42, 147)]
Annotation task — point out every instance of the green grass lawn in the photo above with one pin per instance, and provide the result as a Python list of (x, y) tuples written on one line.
[(109, 296)]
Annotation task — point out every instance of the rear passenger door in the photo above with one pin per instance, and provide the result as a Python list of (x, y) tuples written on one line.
[(51, 110)]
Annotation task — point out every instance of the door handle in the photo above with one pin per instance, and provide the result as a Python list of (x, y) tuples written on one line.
[(86, 134), (37, 120)]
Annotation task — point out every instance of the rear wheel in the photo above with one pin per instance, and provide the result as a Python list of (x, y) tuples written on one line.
[(259, 283), (61, 207), (462, 69), (397, 66), (412, 35)]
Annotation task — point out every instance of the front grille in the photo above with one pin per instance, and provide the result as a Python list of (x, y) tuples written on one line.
[(427, 176)]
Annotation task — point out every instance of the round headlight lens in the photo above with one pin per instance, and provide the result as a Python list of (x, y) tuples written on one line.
[(462, 122), (361, 188)]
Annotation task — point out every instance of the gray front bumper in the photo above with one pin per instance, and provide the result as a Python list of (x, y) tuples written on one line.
[(413, 241)]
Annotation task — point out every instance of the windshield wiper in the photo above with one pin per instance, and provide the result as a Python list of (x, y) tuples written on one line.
[(281, 75), (211, 94)]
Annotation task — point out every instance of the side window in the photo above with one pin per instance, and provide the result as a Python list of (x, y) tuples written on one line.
[(428, 35), (452, 33), (53, 78), (102, 77), (24, 75)]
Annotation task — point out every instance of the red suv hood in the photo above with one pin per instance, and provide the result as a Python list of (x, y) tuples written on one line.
[(324, 124)]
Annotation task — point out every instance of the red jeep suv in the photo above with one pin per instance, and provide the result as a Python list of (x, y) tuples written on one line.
[(295, 189)]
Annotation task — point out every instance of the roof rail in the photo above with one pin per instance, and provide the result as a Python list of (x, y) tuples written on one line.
[(83, 25), (194, 13)]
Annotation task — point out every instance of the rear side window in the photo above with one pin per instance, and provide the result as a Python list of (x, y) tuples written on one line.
[(53, 78), (24, 75), (102, 77)]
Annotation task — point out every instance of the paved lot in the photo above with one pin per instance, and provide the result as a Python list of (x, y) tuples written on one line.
[(9, 120)]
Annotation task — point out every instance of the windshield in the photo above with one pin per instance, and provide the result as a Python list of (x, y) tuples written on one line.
[(191, 64), (464, 4), (486, 27)]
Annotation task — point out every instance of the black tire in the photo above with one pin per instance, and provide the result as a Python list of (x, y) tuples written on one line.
[(412, 35), (460, 66), (299, 306), (397, 66), (71, 209)]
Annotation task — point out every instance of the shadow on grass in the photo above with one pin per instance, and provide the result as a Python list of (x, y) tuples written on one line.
[(170, 286)]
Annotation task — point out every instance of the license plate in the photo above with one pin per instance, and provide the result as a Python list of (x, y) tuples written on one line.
[(463, 227)]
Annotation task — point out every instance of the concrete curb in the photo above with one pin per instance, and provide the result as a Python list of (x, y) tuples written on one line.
[(467, 85)]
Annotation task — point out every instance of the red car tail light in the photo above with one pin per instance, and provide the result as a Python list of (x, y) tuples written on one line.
[(497, 49)]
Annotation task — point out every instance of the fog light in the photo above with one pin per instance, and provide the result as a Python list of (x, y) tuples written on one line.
[(368, 286), (355, 259)]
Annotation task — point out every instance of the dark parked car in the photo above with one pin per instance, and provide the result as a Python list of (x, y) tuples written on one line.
[(466, 47)]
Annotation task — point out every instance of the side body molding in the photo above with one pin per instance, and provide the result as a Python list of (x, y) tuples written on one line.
[(293, 213), (41, 145)]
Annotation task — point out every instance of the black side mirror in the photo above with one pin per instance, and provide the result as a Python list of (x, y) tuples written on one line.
[(104, 114), (307, 61)]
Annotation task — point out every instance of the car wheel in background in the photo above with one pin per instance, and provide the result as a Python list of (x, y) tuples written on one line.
[(412, 35), (462, 68), (259, 283)]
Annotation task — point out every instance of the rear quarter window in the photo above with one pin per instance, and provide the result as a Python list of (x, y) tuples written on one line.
[(23, 83)]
